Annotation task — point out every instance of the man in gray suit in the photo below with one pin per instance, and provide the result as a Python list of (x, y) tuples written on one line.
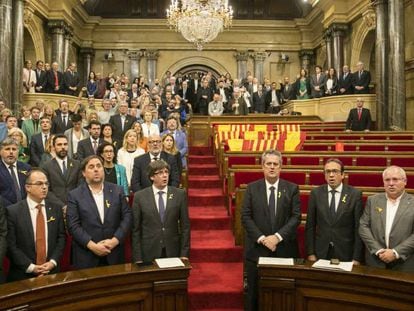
[(161, 226), (333, 215), (386, 227)]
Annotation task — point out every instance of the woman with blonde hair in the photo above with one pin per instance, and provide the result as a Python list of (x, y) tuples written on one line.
[(18, 135), (168, 145), (48, 111), (129, 151), (148, 127), (142, 141)]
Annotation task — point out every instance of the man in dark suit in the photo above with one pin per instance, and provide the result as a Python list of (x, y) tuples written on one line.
[(270, 216), (345, 82), (71, 80), (361, 80), (259, 100), (62, 121), (12, 173), (186, 93), (204, 96), (89, 146), (386, 227), (3, 238), (273, 100), (140, 179), (317, 82), (38, 142), (165, 233), (98, 218), (333, 215), (40, 77), (63, 173), (54, 80), (287, 91), (224, 92), (121, 123), (36, 234), (359, 118)]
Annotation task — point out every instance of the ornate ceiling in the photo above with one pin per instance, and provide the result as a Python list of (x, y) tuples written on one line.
[(243, 9)]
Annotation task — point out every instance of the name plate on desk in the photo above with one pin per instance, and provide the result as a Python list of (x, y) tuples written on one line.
[(276, 261), (326, 264), (169, 262)]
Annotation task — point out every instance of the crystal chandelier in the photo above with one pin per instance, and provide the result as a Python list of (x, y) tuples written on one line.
[(199, 21)]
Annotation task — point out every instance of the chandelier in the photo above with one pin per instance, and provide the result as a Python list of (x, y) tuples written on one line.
[(199, 21)]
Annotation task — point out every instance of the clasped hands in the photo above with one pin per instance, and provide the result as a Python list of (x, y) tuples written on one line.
[(44, 269), (104, 247), (270, 242), (386, 255)]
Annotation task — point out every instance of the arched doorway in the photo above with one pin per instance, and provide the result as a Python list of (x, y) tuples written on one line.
[(29, 51), (192, 70)]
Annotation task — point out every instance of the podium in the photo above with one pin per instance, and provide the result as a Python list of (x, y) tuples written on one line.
[(301, 287), (120, 287)]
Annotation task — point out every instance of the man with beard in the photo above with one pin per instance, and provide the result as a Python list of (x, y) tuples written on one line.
[(63, 173), (98, 218), (89, 146)]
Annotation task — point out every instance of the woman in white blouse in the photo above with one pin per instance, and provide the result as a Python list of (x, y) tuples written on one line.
[(149, 128), (129, 151), (75, 134)]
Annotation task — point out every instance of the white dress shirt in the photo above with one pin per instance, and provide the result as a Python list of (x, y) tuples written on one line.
[(392, 207), (99, 201)]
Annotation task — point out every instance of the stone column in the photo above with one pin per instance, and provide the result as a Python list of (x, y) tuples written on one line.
[(17, 51), (152, 57), (6, 22), (396, 69), (134, 59), (259, 58), (306, 58), (241, 57), (338, 34), (57, 29), (67, 43), (87, 55), (329, 53), (381, 63)]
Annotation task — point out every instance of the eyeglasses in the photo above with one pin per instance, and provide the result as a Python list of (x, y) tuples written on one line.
[(166, 172), (335, 172), (154, 142), (39, 183)]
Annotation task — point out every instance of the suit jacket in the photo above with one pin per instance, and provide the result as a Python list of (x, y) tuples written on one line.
[(118, 133), (345, 83), (7, 191), (321, 229), (364, 81), (58, 127), (40, 80), (21, 244), (50, 82), (29, 80), (28, 128), (241, 110), (60, 184), (140, 179), (150, 235), (71, 80), (202, 103), (259, 102), (287, 92), (401, 239), (321, 83), (84, 224), (181, 143), (268, 100), (36, 149), (3, 238), (352, 123), (85, 148), (256, 220), (68, 134), (194, 86), (188, 94)]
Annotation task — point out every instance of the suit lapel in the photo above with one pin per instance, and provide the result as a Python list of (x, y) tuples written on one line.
[(88, 196), (153, 204), (402, 208), (342, 203), (28, 223), (51, 226), (265, 204), (107, 200), (58, 168)]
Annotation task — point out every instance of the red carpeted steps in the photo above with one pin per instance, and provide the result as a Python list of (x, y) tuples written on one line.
[(216, 281)]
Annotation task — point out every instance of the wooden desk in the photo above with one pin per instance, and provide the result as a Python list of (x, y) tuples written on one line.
[(303, 288), (120, 287)]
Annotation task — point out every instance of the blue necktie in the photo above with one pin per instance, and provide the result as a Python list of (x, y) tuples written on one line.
[(161, 206)]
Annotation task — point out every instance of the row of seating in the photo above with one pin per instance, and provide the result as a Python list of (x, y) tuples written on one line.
[(335, 136)]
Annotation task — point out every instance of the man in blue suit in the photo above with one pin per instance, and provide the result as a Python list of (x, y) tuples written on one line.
[(12, 173), (180, 137), (98, 218)]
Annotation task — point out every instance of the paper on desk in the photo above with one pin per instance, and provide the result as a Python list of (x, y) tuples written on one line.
[(326, 264), (169, 262), (276, 261)]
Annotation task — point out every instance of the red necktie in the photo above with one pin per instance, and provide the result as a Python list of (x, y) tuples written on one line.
[(40, 237), (359, 114), (56, 79)]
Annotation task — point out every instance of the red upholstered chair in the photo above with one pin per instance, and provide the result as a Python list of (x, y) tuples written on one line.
[(403, 162), (367, 179), (298, 178), (347, 161), (316, 178), (306, 147), (400, 147), (303, 160), (350, 147), (240, 160), (304, 200), (371, 161), (372, 147)]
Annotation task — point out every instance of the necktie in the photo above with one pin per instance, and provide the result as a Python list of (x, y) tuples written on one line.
[(95, 146), (155, 159), (332, 204), (359, 114), (40, 237), (56, 79), (64, 170), (35, 125), (15, 183), (64, 120), (45, 141), (161, 206), (272, 206)]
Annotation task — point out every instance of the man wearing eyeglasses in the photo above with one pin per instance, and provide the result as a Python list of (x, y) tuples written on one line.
[(166, 233), (140, 179), (332, 220), (387, 225), (36, 235), (270, 216)]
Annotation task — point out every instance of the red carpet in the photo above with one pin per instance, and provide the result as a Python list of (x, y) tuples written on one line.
[(216, 281)]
